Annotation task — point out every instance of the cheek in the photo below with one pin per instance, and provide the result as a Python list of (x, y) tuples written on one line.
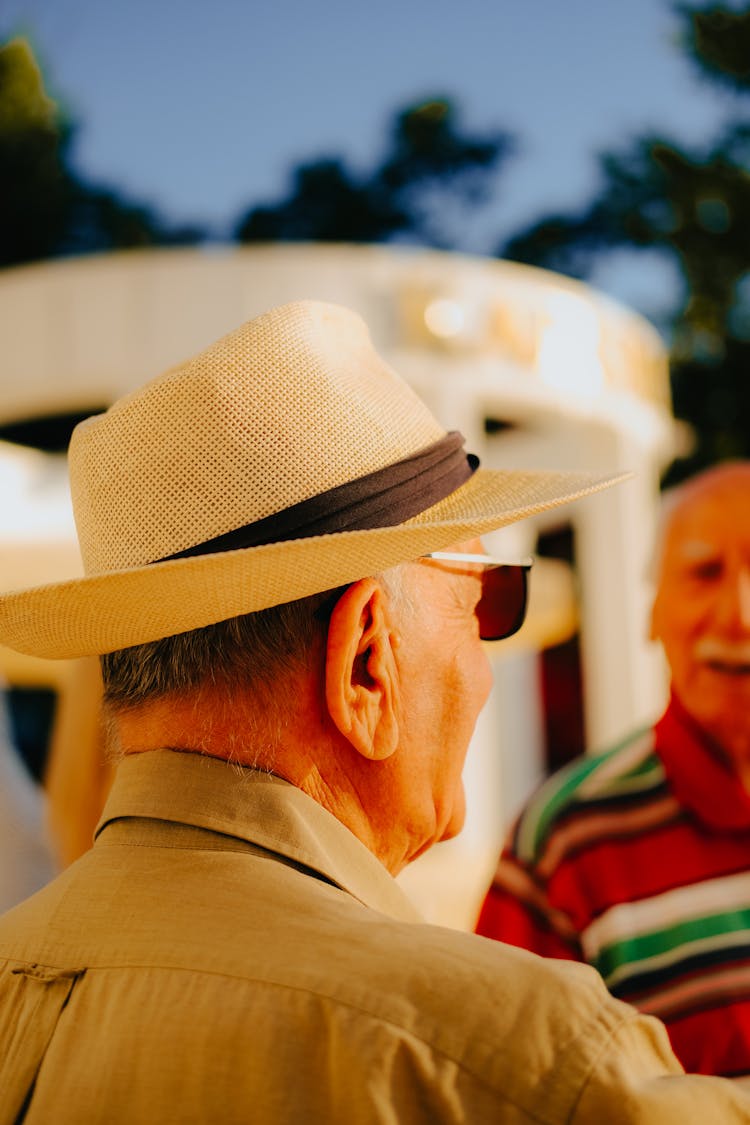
[(682, 669), (474, 682), (682, 628), (678, 631), (489, 677), (483, 676)]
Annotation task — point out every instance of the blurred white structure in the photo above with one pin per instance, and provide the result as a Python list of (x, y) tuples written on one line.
[(537, 371)]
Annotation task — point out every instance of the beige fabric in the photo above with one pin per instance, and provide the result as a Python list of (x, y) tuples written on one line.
[(228, 952), (284, 408)]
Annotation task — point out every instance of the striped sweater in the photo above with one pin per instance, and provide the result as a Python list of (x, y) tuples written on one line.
[(638, 861)]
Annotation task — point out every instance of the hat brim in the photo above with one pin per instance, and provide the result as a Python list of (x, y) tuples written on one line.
[(104, 612)]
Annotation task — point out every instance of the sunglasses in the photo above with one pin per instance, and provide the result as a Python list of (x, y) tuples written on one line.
[(501, 609)]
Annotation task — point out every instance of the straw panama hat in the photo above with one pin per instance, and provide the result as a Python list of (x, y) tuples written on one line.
[(221, 458)]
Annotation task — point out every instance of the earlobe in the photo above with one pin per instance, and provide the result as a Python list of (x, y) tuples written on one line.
[(361, 671)]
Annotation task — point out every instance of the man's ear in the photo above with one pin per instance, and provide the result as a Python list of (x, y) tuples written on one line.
[(361, 671)]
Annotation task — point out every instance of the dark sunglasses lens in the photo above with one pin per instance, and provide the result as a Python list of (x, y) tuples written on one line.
[(502, 606)]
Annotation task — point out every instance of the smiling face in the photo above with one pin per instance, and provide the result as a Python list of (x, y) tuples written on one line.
[(701, 613)]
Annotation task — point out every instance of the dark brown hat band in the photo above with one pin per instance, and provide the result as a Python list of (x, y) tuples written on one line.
[(384, 498)]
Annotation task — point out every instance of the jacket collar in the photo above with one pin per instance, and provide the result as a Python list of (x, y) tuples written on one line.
[(256, 807)]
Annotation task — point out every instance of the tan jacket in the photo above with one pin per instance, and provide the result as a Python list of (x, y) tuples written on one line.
[(229, 953)]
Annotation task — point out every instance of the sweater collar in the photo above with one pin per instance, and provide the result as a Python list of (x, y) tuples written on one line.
[(699, 777)]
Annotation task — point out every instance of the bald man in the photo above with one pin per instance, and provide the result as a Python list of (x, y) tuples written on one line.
[(638, 860)]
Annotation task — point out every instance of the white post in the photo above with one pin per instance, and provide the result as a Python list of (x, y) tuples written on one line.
[(623, 676)]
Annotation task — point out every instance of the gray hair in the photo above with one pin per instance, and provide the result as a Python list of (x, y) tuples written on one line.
[(254, 650)]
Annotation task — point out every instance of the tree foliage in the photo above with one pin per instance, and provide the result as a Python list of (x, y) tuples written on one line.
[(693, 207), (37, 189), (431, 168), (47, 209), (717, 40)]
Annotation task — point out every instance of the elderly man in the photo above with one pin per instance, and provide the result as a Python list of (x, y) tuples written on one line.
[(638, 861), (293, 669)]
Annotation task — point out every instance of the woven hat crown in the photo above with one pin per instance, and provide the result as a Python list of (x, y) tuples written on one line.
[(289, 405)]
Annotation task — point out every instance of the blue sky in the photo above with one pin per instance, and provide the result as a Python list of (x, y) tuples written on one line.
[(203, 108)]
